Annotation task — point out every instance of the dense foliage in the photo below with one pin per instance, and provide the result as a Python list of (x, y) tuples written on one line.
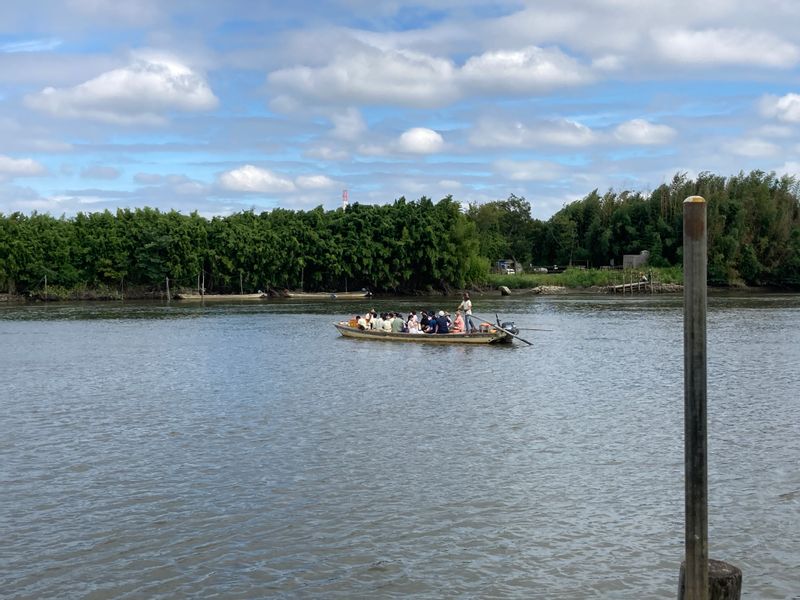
[(754, 237), (753, 228), (402, 246)]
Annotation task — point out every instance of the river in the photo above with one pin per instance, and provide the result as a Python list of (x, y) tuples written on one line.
[(248, 451)]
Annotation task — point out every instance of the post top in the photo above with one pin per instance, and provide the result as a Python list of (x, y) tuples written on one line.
[(694, 199)]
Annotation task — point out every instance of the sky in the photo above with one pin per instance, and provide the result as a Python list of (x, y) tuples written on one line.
[(221, 107)]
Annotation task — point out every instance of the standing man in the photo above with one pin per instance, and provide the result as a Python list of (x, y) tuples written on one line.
[(466, 307)]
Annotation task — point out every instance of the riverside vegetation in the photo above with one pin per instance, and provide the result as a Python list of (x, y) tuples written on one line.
[(406, 246)]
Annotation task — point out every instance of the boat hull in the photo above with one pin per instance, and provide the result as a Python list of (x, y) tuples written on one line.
[(220, 297), (493, 336), (326, 295)]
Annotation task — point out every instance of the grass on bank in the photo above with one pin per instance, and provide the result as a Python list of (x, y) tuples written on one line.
[(586, 278)]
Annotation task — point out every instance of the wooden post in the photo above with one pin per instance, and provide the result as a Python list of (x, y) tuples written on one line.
[(241, 290), (168, 289), (700, 579), (694, 397), (724, 581), (45, 288)]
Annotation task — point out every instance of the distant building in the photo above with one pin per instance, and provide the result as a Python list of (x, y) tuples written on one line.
[(633, 261), (508, 266)]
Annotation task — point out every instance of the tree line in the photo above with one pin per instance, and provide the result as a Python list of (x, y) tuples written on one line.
[(754, 238)]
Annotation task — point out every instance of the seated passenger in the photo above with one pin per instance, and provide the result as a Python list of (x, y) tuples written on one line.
[(387, 322), (458, 324), (441, 320), (397, 323), (362, 322)]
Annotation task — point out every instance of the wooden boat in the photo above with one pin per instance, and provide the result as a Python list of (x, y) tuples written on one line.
[(326, 295), (213, 297), (487, 335)]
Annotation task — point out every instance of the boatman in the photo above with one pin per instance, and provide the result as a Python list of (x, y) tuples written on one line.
[(466, 308)]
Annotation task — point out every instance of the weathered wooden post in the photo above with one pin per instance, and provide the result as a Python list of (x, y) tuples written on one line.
[(168, 296), (694, 582)]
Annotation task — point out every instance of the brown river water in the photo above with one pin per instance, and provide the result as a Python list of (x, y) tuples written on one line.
[(249, 451)]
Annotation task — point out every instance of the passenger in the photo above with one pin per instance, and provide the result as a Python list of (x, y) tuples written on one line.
[(411, 325), (377, 323), (424, 321), (441, 321), (458, 324), (362, 322), (397, 323), (433, 324), (387, 322)]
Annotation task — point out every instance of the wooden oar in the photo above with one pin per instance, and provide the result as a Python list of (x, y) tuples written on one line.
[(504, 330), (533, 329)]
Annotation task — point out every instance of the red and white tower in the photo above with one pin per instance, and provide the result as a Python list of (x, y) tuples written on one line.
[(344, 199)]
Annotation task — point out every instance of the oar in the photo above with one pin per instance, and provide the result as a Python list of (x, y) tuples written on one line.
[(533, 329), (505, 330)]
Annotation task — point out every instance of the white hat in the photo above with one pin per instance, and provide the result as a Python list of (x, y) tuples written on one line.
[(441, 313)]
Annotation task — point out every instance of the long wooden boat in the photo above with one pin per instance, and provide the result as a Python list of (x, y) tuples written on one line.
[(213, 297), (489, 336), (326, 295)]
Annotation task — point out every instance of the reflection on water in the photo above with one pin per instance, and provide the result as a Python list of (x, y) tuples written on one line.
[(247, 450)]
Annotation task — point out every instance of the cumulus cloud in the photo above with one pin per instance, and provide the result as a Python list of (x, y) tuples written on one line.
[(494, 133), (373, 76), (530, 69), (19, 167), (530, 170), (785, 108), (726, 47), (641, 132), (327, 153), (754, 148), (348, 125), (140, 93), (314, 182), (250, 178), (420, 140)]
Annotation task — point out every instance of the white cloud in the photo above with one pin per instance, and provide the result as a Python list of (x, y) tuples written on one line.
[(639, 131), (100, 172), (753, 147), (250, 178), (137, 94), (314, 182), (791, 168), (420, 140), (348, 125), (373, 76), (530, 170), (530, 69), (19, 167), (327, 153), (786, 108), (492, 133), (726, 47)]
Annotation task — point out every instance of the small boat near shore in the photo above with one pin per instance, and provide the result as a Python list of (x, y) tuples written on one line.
[(326, 295), (487, 335), (214, 297)]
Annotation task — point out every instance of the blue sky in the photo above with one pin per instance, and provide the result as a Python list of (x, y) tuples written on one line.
[(227, 106)]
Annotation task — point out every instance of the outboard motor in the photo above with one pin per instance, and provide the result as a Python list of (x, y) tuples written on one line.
[(509, 326)]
